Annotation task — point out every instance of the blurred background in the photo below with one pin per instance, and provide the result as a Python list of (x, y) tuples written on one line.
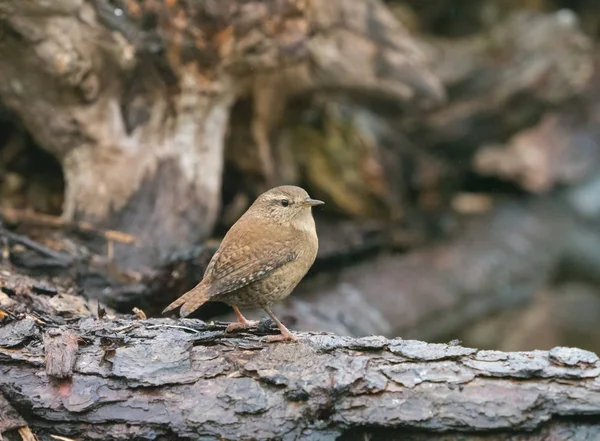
[(456, 145)]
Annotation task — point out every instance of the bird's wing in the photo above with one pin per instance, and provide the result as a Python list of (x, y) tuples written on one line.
[(251, 257)]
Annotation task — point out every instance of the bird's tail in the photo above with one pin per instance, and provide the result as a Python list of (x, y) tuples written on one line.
[(190, 301)]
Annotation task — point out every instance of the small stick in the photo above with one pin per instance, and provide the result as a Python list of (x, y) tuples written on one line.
[(111, 251), (123, 328), (139, 313), (46, 220), (38, 320), (27, 434), (42, 249), (173, 326), (61, 438)]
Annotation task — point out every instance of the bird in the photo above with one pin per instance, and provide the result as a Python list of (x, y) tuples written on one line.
[(261, 259)]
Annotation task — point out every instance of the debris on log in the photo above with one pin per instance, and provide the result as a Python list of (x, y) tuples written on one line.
[(60, 350)]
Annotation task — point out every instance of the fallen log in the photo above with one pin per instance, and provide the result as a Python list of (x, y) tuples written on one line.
[(161, 379)]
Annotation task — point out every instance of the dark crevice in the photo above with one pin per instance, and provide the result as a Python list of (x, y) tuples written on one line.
[(559, 428)]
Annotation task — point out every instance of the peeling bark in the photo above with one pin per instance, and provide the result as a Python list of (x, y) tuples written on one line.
[(149, 380), (9, 417)]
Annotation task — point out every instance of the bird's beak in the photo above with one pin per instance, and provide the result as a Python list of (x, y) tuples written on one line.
[(312, 202)]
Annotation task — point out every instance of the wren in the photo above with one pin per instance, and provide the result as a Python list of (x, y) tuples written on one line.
[(261, 259)]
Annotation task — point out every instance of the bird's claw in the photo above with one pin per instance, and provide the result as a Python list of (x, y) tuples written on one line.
[(242, 325), (285, 338)]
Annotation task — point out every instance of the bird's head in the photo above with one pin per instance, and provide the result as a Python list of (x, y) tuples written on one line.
[(286, 204)]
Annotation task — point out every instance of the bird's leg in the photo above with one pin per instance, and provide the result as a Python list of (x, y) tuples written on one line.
[(242, 322), (285, 335)]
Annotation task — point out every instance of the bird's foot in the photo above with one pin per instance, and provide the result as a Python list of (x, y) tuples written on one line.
[(242, 325), (286, 337)]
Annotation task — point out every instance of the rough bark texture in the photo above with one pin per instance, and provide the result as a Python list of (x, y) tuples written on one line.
[(149, 380), (9, 417), (68, 81)]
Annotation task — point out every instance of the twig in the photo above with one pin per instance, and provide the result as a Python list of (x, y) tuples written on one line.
[(173, 326), (101, 311), (110, 251), (38, 320), (42, 249), (61, 438), (27, 434), (23, 216), (139, 313), (123, 328)]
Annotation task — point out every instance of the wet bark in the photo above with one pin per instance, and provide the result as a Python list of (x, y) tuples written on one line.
[(150, 380)]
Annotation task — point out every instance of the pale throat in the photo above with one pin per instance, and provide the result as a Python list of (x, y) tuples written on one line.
[(304, 222)]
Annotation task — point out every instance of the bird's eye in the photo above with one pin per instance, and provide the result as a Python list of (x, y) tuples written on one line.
[(285, 202)]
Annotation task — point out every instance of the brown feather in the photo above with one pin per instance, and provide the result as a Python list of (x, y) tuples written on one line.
[(262, 257), (191, 301), (236, 265)]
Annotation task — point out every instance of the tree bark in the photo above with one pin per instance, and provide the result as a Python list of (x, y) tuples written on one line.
[(76, 86), (154, 380)]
